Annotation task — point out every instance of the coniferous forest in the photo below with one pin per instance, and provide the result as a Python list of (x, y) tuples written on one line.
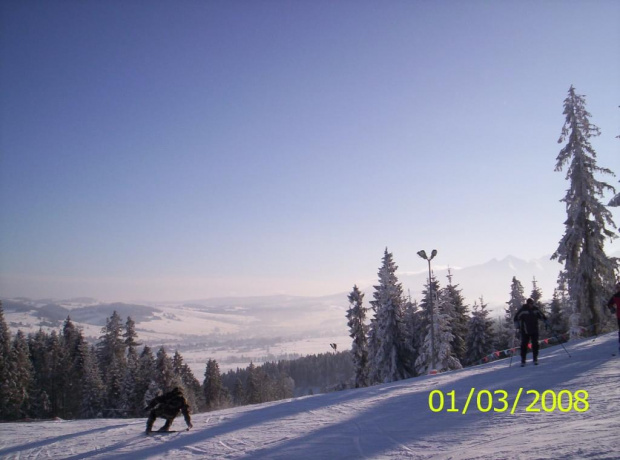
[(60, 374)]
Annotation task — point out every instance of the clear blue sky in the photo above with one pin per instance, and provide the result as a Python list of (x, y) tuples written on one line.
[(169, 150)]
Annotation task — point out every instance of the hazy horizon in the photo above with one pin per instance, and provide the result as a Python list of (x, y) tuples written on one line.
[(209, 149), (480, 280)]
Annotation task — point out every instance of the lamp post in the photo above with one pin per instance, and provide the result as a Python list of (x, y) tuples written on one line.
[(430, 300)]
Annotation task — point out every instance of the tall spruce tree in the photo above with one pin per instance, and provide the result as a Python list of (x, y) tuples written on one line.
[(165, 377), (113, 363), (92, 386), (423, 356), (556, 317), (253, 386), (480, 339), (536, 295), (444, 356), (71, 340), (389, 361), (22, 380), (517, 299), (506, 334), (589, 271), (559, 310), (358, 331), (459, 315), (212, 386), (414, 331), (6, 369), (55, 374), (131, 402), (41, 404), (146, 375), (191, 385)]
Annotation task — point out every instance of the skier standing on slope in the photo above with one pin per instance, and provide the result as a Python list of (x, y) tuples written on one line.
[(614, 302), (526, 324), (168, 406)]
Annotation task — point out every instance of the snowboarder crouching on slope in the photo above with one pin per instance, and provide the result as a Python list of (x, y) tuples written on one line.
[(168, 406), (614, 302), (526, 324)]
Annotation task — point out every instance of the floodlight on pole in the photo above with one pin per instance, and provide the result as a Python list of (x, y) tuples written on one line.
[(423, 255)]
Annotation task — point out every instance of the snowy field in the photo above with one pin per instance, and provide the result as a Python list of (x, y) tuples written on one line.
[(390, 421), (233, 357)]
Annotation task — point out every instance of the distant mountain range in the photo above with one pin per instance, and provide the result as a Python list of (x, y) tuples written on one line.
[(492, 280)]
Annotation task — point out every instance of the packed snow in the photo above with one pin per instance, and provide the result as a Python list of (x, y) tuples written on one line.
[(389, 421)]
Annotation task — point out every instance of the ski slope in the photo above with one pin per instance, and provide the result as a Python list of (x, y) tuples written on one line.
[(390, 421)]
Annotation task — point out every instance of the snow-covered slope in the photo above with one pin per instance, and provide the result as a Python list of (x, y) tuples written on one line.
[(390, 421)]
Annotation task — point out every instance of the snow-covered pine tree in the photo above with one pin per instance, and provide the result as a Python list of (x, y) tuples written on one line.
[(390, 362), (517, 299), (253, 386), (590, 272), (6, 370), (358, 331), (212, 386), (459, 317), (130, 335), (559, 309), (555, 314), (480, 339), (71, 340), (131, 403), (41, 405), (113, 363), (164, 371), (413, 330), (191, 385), (423, 356), (22, 378), (536, 296), (111, 346), (55, 374), (92, 386), (145, 377), (445, 358)]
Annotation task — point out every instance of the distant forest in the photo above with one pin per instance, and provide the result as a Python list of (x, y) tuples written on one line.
[(58, 374)]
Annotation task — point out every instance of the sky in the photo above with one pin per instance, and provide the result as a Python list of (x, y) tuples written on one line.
[(577, 390), (178, 150)]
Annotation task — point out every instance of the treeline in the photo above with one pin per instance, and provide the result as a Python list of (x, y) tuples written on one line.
[(404, 338), (59, 374), (286, 378)]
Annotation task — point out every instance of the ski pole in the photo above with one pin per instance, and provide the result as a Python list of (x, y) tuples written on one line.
[(512, 350), (556, 338)]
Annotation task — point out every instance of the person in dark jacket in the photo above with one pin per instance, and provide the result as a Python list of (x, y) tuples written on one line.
[(168, 406), (614, 303), (526, 324)]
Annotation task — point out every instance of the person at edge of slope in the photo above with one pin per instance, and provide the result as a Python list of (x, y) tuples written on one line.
[(614, 302), (168, 406), (526, 324)]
